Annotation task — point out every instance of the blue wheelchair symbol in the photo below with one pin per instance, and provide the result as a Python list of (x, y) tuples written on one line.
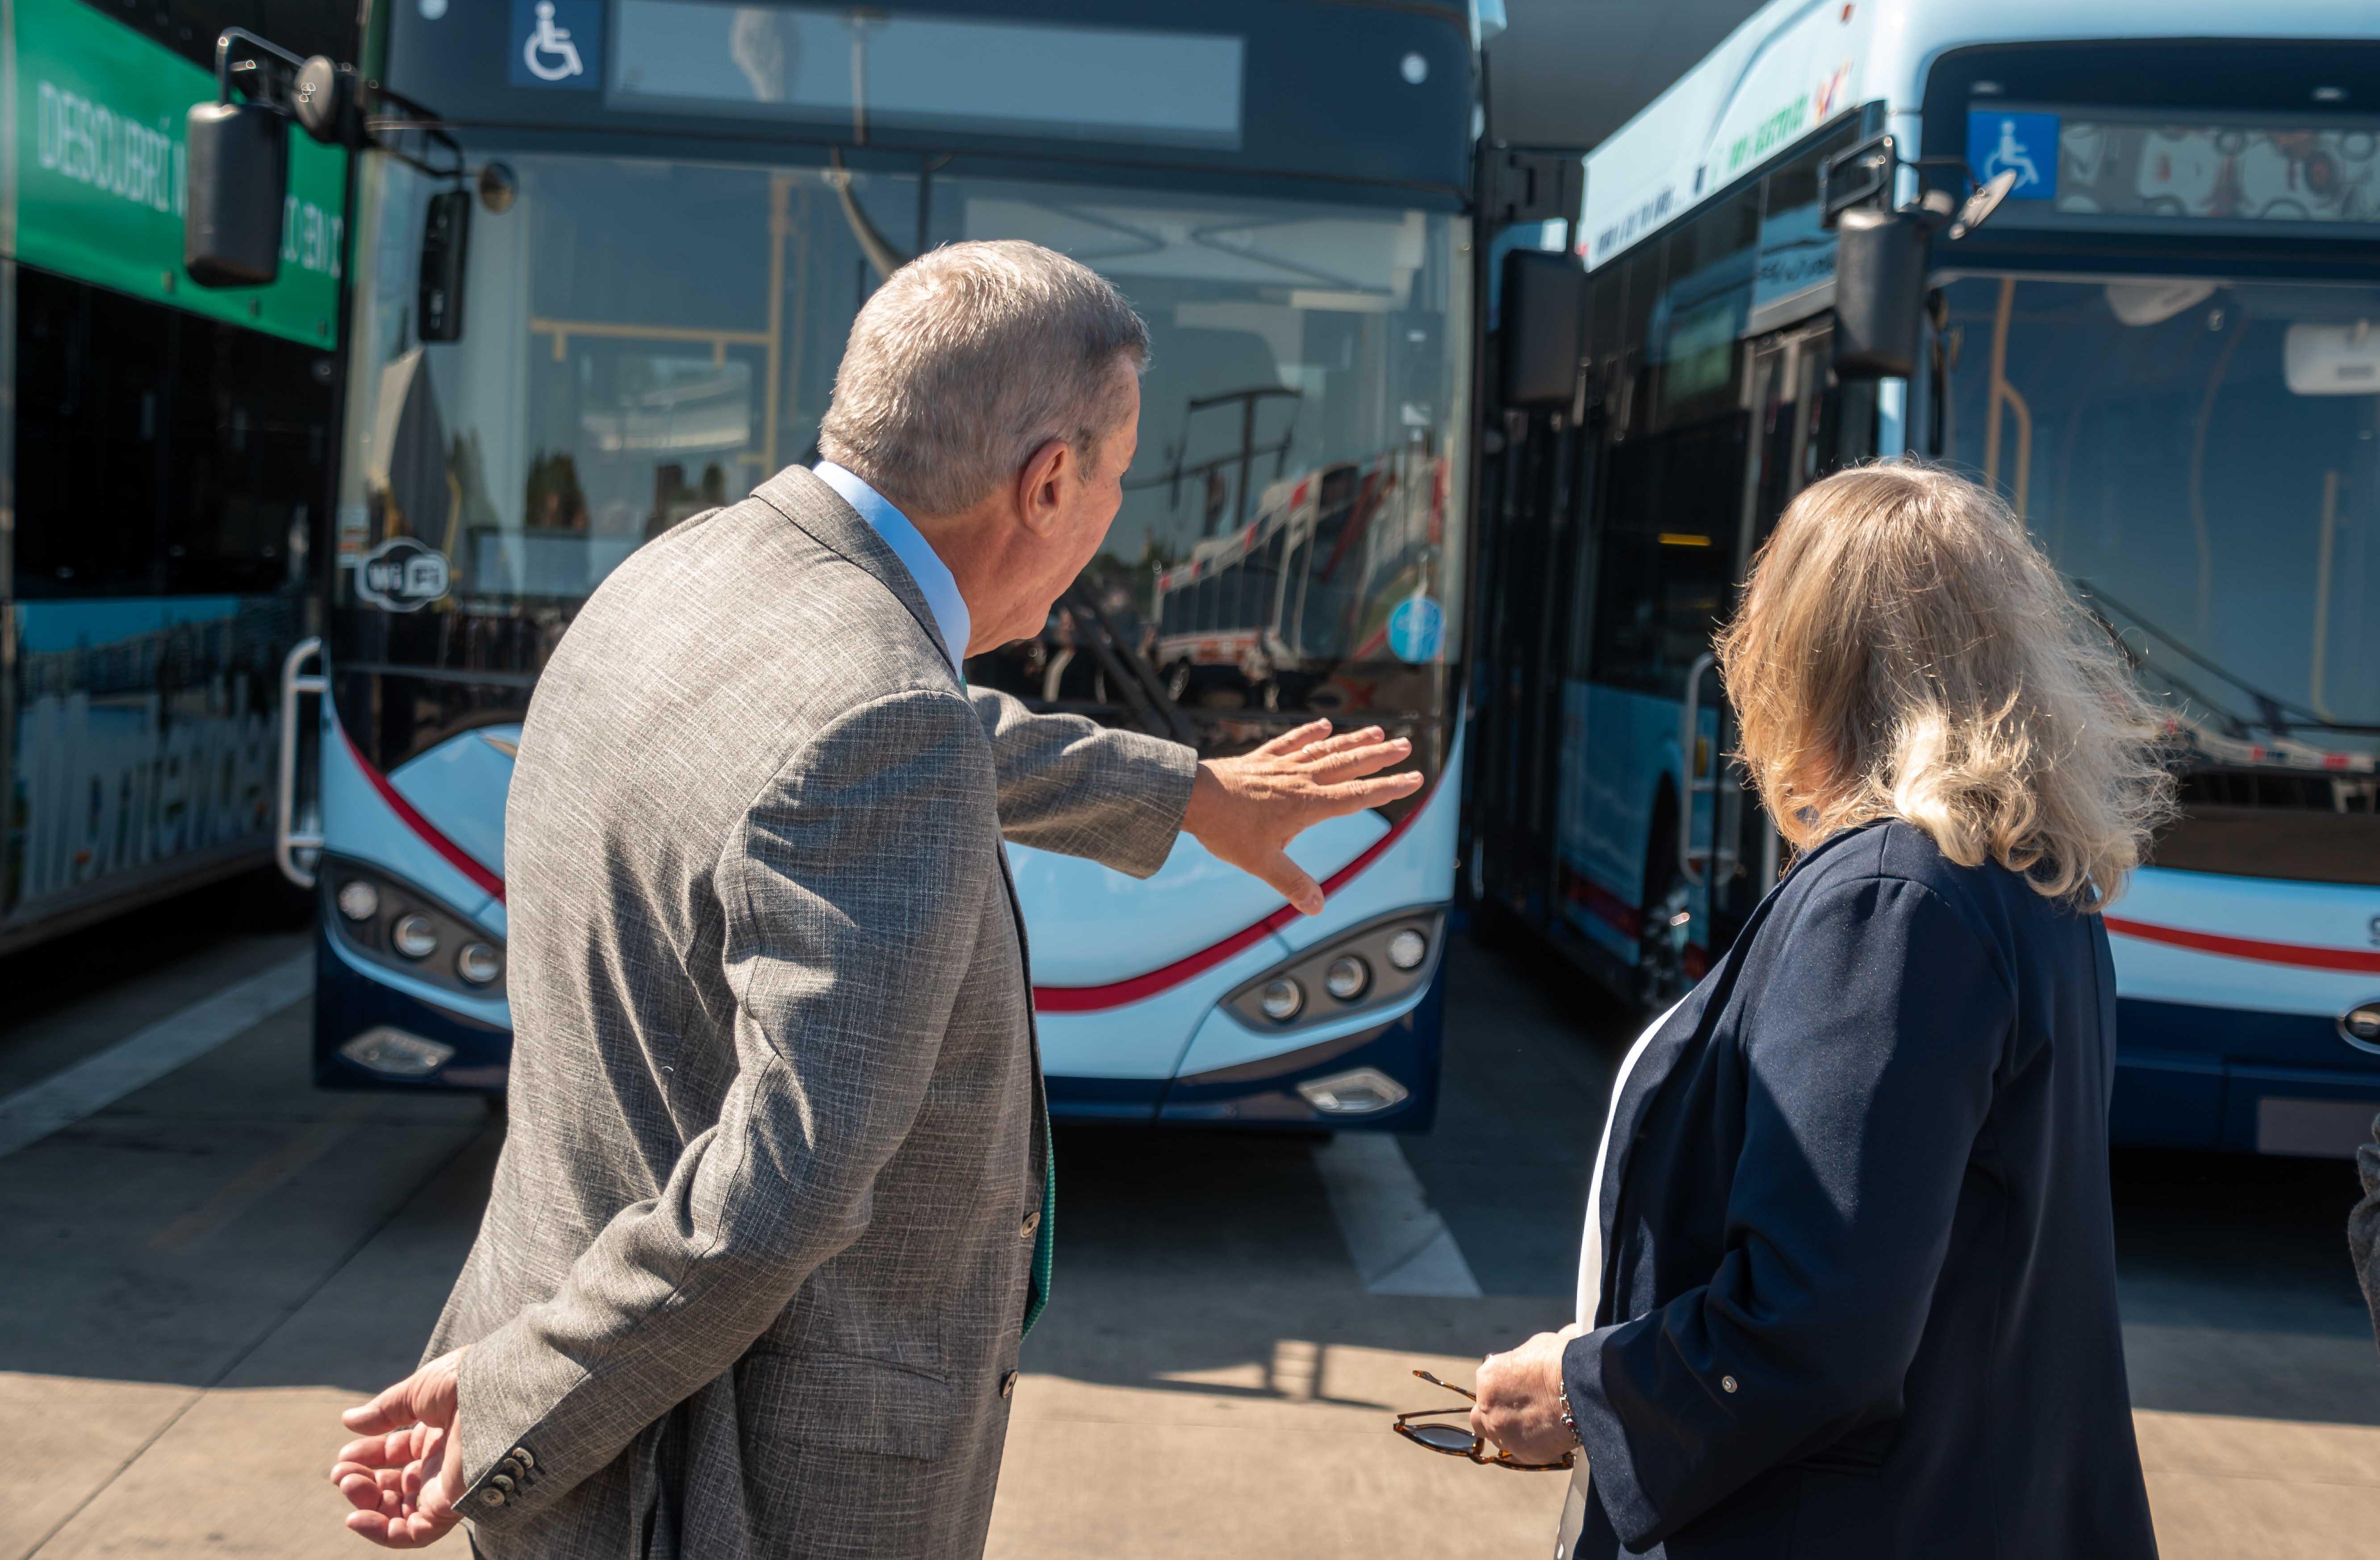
[(2006, 141)]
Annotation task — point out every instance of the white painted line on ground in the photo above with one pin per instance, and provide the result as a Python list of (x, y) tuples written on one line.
[(141, 1058), (1400, 1244)]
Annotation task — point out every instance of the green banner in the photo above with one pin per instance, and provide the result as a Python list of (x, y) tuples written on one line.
[(101, 171)]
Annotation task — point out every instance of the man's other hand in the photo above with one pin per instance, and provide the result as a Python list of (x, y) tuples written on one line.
[(1246, 810), (404, 1477)]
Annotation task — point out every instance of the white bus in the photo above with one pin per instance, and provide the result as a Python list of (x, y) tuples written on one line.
[(618, 298), (2163, 347)]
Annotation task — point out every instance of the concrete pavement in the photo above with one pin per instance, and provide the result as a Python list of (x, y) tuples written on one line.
[(201, 1273)]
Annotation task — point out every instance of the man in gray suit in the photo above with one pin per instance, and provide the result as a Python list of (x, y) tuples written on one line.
[(773, 1211)]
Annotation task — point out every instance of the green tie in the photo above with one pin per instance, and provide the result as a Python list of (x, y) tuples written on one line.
[(1038, 1295)]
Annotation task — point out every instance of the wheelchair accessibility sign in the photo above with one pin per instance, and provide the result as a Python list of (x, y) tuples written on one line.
[(556, 43), (2000, 141)]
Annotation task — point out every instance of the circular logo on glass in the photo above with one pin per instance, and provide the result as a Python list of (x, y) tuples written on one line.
[(1416, 629), (403, 576)]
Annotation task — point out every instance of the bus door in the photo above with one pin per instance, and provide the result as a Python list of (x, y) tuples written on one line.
[(1795, 416), (1534, 498)]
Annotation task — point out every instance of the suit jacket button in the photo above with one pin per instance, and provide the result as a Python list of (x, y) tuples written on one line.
[(1031, 1224), (508, 1469), (520, 1454), (504, 1481), (1008, 1384), (491, 1497), (1727, 1383)]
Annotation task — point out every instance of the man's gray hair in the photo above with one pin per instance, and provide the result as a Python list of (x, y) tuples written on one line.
[(969, 359)]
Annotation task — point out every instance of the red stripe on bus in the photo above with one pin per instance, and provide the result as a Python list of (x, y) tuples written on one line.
[(456, 857), (1098, 999), (2299, 954)]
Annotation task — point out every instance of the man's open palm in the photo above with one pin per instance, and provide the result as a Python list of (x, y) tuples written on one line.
[(405, 1476), (1246, 810)]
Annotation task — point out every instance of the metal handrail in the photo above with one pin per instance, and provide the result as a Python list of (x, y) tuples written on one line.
[(1689, 720), (295, 686)]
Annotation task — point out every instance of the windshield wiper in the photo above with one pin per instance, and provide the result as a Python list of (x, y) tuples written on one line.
[(1128, 670), (871, 238), (2274, 714)]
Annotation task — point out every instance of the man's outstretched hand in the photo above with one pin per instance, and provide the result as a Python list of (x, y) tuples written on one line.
[(405, 1474), (1246, 810)]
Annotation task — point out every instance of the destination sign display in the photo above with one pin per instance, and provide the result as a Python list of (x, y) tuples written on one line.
[(2135, 170)]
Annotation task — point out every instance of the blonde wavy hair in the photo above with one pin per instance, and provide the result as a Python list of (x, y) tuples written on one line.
[(1904, 651)]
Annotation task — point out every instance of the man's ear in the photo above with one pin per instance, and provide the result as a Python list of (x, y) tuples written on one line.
[(1041, 485)]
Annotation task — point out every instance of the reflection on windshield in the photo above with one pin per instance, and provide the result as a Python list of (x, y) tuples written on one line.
[(2203, 456), (647, 340)]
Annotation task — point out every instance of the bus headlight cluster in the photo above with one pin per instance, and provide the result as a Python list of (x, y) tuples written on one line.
[(1370, 967), (1282, 1000), (414, 935), (390, 923)]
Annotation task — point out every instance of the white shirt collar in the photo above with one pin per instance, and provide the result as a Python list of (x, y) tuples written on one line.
[(916, 555)]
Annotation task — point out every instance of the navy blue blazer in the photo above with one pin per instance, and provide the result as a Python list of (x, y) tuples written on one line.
[(1859, 1281)]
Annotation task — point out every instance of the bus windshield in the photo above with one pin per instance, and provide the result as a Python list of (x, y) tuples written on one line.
[(2203, 457), (644, 339)]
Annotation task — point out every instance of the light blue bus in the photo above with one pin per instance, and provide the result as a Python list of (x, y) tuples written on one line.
[(621, 301), (2163, 347)]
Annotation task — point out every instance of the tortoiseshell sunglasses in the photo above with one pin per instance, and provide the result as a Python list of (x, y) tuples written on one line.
[(1456, 1440)]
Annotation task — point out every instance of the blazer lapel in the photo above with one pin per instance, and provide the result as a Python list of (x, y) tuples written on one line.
[(1685, 1030), (820, 512)]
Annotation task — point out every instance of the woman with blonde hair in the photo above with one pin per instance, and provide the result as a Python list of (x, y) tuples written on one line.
[(1849, 1286)]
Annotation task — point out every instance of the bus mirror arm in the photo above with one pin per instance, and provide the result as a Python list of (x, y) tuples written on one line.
[(237, 148), (1881, 253)]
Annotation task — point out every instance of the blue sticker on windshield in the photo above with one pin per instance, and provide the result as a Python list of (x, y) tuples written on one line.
[(1416, 630), (2024, 144), (556, 43)]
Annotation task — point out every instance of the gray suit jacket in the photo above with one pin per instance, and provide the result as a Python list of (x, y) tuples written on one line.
[(752, 1275)]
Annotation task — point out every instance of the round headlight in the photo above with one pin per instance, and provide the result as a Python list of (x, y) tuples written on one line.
[(1281, 999), (359, 901), (414, 935), (1347, 977), (1408, 948), (479, 963)]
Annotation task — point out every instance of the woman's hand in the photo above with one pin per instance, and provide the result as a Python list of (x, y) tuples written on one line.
[(1520, 1399)]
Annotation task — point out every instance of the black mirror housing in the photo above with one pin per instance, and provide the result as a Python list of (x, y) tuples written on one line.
[(445, 251), (1880, 292), (1540, 318), (238, 169)]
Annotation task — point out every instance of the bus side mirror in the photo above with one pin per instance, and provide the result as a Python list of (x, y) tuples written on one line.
[(1542, 310), (238, 172), (1880, 291), (445, 251)]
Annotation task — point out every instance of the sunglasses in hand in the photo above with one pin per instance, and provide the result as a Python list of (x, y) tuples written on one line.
[(1456, 1440)]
